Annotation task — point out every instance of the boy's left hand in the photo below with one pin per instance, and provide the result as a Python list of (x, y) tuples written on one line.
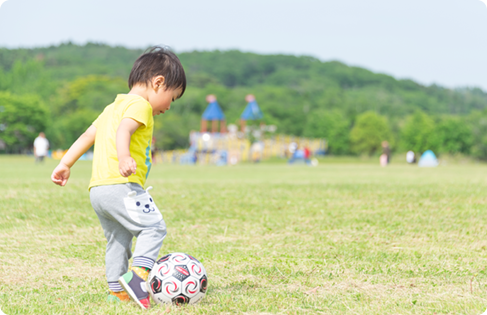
[(127, 166)]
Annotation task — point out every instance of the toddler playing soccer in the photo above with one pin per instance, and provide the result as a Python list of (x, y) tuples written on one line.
[(122, 136)]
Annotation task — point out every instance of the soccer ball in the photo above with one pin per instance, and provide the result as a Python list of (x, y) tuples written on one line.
[(177, 278)]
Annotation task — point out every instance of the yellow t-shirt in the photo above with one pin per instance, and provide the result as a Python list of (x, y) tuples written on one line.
[(105, 161)]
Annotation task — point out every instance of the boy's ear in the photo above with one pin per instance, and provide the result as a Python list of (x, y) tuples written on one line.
[(158, 82)]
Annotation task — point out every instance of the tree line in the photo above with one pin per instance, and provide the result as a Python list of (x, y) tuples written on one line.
[(61, 90)]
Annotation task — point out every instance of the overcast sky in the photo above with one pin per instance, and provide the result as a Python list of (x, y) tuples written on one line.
[(430, 41)]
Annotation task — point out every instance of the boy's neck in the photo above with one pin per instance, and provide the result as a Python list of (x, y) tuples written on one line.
[(141, 91)]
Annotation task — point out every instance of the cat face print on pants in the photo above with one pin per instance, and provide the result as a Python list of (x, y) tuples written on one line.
[(142, 208)]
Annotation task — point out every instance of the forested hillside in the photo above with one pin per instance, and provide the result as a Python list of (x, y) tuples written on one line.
[(302, 96)]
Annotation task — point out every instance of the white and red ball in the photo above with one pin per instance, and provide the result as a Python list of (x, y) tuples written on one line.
[(177, 278)]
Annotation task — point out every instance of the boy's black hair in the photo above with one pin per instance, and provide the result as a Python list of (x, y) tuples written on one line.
[(158, 61)]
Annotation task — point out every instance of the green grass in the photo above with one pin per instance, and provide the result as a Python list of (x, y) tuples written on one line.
[(335, 239)]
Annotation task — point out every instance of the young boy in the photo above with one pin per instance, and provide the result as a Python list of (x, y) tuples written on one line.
[(122, 136)]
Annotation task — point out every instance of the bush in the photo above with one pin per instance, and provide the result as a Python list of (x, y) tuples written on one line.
[(78, 104), (478, 122), (418, 133), (171, 130), (332, 126), (455, 135), (368, 133), (21, 120)]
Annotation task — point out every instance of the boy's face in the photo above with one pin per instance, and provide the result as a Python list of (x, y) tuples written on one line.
[(161, 100)]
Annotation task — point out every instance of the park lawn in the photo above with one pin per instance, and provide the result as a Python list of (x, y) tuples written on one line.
[(334, 239)]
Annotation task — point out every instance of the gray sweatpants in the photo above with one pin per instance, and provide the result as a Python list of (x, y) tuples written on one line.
[(126, 211)]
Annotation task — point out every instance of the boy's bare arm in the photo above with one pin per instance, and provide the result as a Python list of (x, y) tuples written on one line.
[(61, 173), (126, 163)]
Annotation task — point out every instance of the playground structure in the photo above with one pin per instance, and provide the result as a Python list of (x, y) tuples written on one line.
[(251, 112), (231, 146), (214, 114), (222, 150)]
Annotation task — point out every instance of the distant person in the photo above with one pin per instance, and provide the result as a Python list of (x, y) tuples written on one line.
[(410, 157), (290, 149), (386, 151), (41, 147), (307, 155), (122, 136), (297, 155), (257, 151), (383, 160)]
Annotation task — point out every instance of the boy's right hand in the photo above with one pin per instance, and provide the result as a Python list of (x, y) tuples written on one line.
[(60, 174), (127, 166)]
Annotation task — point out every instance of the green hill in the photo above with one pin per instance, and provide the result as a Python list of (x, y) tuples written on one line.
[(294, 92)]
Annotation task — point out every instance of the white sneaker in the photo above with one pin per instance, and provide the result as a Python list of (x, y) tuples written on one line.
[(2, 313), (484, 313)]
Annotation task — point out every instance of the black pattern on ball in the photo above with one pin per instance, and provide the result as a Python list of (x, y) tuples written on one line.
[(163, 258), (180, 299), (181, 272), (156, 285), (203, 284)]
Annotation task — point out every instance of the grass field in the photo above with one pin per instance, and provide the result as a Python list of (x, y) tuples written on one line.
[(335, 239)]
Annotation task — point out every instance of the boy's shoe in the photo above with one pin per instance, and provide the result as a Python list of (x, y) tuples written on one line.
[(136, 288), (117, 296)]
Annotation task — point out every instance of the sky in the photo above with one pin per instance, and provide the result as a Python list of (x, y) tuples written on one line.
[(430, 41)]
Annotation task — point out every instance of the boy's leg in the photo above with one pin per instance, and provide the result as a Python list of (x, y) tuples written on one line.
[(148, 245), (118, 251), (149, 237), (149, 242), (119, 239)]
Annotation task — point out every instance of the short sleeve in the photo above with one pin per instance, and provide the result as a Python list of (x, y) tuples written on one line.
[(100, 117), (139, 111), (95, 123)]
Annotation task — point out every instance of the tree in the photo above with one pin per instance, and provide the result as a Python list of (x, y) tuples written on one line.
[(90, 92), (172, 130), (21, 119), (478, 122), (29, 77), (79, 81), (368, 133), (77, 105), (65, 130), (418, 133), (332, 126), (455, 135)]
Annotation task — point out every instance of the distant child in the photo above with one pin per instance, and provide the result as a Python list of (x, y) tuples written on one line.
[(122, 136), (41, 147), (386, 150)]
